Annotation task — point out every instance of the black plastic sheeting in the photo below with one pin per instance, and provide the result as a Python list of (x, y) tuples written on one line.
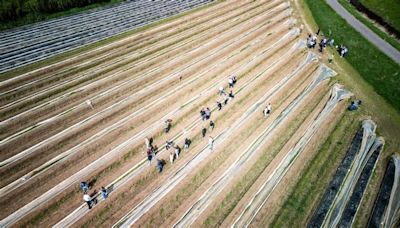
[(319, 215), (383, 197), (355, 198)]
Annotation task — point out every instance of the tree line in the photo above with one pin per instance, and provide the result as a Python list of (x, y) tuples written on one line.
[(11, 10)]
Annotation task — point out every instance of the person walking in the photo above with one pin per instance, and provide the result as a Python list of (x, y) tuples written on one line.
[(149, 155), (177, 151), (221, 91), (231, 96), (168, 144), (234, 79), (104, 192), (171, 157), (219, 105), (84, 186), (90, 104), (186, 144), (230, 82), (88, 200), (309, 41), (207, 113), (160, 165), (226, 99), (203, 132), (167, 124), (210, 143), (203, 114), (267, 110), (212, 125), (148, 142)]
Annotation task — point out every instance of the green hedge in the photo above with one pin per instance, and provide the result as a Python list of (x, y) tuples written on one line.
[(11, 10)]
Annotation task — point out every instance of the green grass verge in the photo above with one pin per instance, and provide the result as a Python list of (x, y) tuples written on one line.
[(69, 54), (373, 65), (385, 36), (389, 10), (314, 179)]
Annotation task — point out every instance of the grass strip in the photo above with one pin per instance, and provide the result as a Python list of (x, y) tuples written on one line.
[(309, 189), (370, 24), (382, 75), (389, 10), (244, 184)]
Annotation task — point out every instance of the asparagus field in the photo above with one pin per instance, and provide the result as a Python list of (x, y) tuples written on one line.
[(113, 135)]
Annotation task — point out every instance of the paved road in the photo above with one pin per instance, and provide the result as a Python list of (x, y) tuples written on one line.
[(365, 31)]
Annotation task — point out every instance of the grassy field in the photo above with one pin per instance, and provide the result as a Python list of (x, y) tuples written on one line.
[(370, 24), (383, 74), (389, 10)]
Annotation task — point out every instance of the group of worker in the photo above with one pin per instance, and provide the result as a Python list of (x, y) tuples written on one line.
[(91, 200)]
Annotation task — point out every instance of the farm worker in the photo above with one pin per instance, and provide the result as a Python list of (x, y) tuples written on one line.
[(221, 90), (219, 105), (309, 41), (104, 192), (212, 125), (186, 144), (234, 79), (89, 102), (84, 186), (203, 114), (267, 110), (231, 94), (167, 125), (314, 41), (148, 142), (203, 132), (210, 142), (168, 144), (226, 100), (149, 155), (160, 165), (88, 200), (154, 150), (207, 113), (230, 82), (177, 151), (171, 157)]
